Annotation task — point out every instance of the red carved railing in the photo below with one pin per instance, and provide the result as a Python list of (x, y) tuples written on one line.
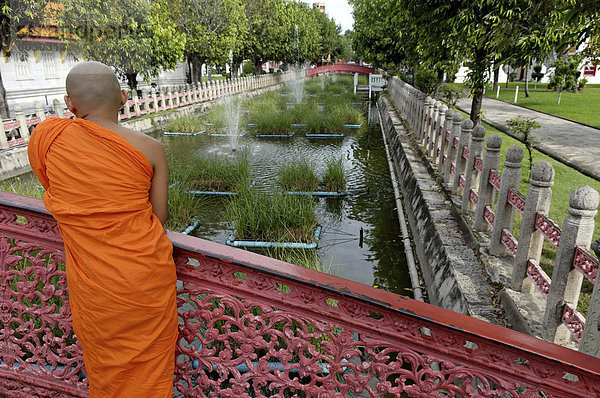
[(488, 215), (516, 200), (494, 179), (254, 326), (573, 320), (548, 228), (473, 197), (586, 263), (461, 181), (540, 279), (465, 152), (339, 69), (478, 163), (509, 241)]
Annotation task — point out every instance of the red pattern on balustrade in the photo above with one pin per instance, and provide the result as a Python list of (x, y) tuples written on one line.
[(509, 241), (478, 164), (516, 200), (465, 152), (586, 263), (573, 320), (473, 196), (452, 168), (445, 159), (494, 179), (548, 228), (255, 326), (455, 144), (447, 136), (461, 181), (540, 279), (488, 215)]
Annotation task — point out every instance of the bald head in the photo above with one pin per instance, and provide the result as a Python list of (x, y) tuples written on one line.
[(92, 85)]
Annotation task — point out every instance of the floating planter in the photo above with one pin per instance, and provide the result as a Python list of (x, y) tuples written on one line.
[(353, 126), (298, 125), (251, 124), (320, 194), (185, 134), (289, 135), (314, 135), (227, 135), (231, 241), (357, 103)]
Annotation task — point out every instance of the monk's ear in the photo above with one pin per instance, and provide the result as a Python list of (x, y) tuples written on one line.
[(124, 97), (70, 104)]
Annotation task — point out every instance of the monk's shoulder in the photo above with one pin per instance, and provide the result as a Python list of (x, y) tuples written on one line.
[(149, 146)]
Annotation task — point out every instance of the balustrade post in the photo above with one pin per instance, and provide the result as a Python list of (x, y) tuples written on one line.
[(3, 139), (447, 126), (466, 127), (454, 132), (590, 341), (20, 116), (126, 109), (145, 107), (531, 240), (39, 111), (136, 103), (193, 93), (439, 131), (577, 230), (511, 178), (471, 174), (58, 109), (491, 161), (433, 126), (177, 92), (155, 104), (427, 106)]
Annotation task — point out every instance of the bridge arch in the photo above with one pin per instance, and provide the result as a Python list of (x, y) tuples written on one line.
[(339, 69)]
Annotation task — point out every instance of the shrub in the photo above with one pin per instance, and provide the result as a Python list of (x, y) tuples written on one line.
[(426, 80), (334, 178), (299, 175), (522, 127), (450, 93), (186, 124), (248, 68)]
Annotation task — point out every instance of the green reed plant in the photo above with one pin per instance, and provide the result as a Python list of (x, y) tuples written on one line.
[(186, 125), (273, 122), (303, 112), (299, 175), (216, 117), (334, 178), (26, 185), (303, 257), (347, 114), (219, 174), (183, 206), (273, 216)]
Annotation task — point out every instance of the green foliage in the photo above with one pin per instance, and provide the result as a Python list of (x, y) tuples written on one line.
[(537, 74), (186, 124), (334, 178), (564, 76), (426, 80), (248, 68), (130, 35), (451, 94), (522, 127), (298, 175), (273, 216)]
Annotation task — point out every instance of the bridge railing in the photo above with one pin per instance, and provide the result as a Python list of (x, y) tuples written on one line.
[(339, 69), (17, 131), (250, 325), (493, 198)]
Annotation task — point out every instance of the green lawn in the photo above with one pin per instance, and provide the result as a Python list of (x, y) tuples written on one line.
[(581, 106)]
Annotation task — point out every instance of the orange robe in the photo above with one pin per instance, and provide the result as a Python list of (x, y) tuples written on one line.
[(120, 269)]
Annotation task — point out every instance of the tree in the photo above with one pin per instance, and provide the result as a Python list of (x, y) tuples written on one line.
[(213, 30), (331, 44), (15, 15), (346, 44), (132, 36)]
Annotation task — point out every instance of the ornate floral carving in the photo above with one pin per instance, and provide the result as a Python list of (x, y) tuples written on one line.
[(509, 241), (465, 152), (455, 143), (461, 181), (452, 168), (516, 200), (478, 164), (473, 197), (586, 263), (494, 179), (548, 228), (574, 321), (488, 215), (539, 278)]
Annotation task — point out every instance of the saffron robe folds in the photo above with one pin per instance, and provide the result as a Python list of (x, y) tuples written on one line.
[(120, 269)]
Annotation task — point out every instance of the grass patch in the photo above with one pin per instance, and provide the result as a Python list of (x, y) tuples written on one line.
[(299, 176), (580, 106), (215, 116), (216, 174), (334, 178), (27, 185), (273, 216), (347, 114), (186, 125), (305, 258)]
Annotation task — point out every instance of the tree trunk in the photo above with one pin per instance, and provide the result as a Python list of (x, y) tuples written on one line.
[(527, 81), (496, 78), (132, 80), (476, 105), (194, 69), (4, 113), (209, 72), (559, 94), (257, 67), (507, 75)]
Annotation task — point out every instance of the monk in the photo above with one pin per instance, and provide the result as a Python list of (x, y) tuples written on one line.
[(107, 187)]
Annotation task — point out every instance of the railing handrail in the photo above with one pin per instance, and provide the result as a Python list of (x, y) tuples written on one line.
[(459, 323)]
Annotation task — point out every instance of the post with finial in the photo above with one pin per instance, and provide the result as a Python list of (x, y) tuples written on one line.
[(145, 107), (433, 126), (443, 142), (136, 102), (591, 334), (460, 163), (472, 174), (20, 116), (439, 132), (3, 139), (531, 240), (39, 111), (505, 214), (454, 132), (491, 161), (155, 103), (577, 230), (58, 109)]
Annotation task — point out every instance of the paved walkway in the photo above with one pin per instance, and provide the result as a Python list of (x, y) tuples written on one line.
[(571, 143)]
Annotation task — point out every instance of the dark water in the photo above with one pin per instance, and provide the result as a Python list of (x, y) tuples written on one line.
[(369, 203)]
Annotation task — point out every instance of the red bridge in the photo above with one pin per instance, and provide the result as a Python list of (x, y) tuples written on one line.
[(253, 326), (339, 69)]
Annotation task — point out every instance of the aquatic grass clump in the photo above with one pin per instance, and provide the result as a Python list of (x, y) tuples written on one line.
[(306, 258), (303, 112), (334, 178), (183, 206), (185, 125), (299, 176), (314, 85), (272, 122), (23, 185), (272, 216), (347, 114), (215, 118)]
